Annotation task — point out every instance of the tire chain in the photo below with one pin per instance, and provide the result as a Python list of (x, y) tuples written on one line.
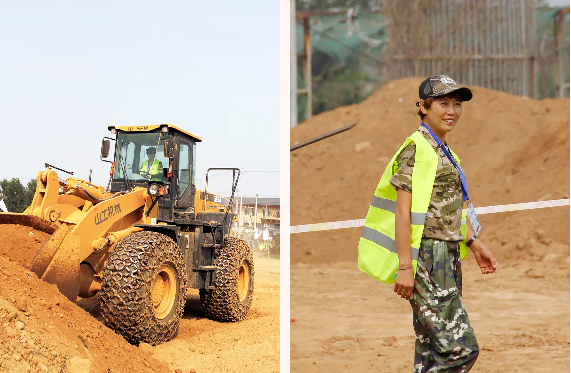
[(223, 302), (126, 304)]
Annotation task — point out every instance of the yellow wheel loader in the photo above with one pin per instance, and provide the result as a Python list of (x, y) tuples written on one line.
[(143, 240)]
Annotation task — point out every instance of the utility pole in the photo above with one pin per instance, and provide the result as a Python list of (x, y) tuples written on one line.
[(237, 210), (306, 58), (307, 68), (293, 65), (267, 216), (256, 216), (240, 217)]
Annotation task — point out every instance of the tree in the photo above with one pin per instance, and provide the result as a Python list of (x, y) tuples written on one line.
[(338, 86), (16, 196), (30, 191)]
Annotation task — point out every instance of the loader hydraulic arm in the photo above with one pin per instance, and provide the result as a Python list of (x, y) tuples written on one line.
[(47, 191), (82, 220)]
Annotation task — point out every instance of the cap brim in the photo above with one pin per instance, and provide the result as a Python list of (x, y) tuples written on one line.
[(465, 93)]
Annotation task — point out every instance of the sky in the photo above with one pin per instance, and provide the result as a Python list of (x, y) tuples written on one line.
[(69, 69)]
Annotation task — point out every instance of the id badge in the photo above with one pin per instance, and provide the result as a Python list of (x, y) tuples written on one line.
[(471, 214)]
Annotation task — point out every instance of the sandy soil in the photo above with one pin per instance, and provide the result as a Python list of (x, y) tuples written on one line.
[(513, 149), (21, 243), (349, 322), (42, 331), (205, 345)]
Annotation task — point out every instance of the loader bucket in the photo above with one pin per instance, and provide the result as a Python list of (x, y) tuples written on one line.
[(28, 220), (57, 261)]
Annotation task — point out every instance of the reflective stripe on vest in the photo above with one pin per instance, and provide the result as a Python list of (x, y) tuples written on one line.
[(386, 204), (378, 254), (385, 241)]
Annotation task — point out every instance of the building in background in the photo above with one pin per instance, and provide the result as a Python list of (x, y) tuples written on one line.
[(258, 221)]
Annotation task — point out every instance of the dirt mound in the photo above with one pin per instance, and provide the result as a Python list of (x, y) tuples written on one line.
[(21, 243), (42, 331), (349, 322), (513, 149)]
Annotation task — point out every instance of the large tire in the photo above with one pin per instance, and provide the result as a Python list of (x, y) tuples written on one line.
[(143, 288), (232, 297)]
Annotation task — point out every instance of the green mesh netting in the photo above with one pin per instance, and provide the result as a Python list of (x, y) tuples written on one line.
[(332, 35), (361, 45), (358, 45), (546, 59)]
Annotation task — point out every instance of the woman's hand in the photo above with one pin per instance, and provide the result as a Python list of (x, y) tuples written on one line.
[(404, 283), (486, 260)]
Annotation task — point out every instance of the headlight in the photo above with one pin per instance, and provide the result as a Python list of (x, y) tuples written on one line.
[(154, 189)]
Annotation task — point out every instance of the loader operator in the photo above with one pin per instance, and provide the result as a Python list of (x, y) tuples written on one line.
[(152, 168), (430, 232)]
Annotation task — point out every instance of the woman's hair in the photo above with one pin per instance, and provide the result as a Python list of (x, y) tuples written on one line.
[(429, 100)]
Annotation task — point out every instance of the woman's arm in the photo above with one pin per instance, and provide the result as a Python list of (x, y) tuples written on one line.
[(404, 281), (486, 260)]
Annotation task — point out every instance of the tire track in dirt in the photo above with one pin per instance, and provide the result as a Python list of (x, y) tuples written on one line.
[(359, 324), (206, 345), (249, 345)]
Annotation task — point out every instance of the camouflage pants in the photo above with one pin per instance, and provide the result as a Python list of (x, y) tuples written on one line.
[(445, 341)]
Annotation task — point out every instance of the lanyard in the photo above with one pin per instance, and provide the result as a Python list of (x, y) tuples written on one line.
[(444, 148)]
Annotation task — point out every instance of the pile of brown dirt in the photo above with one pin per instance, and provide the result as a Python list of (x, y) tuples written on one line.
[(21, 243), (513, 150), (43, 331)]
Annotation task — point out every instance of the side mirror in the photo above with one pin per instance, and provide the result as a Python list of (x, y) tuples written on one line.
[(105, 144), (168, 148)]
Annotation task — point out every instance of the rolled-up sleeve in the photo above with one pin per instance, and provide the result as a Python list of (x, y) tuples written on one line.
[(404, 164)]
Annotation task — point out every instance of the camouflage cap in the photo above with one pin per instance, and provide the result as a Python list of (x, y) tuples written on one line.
[(440, 85)]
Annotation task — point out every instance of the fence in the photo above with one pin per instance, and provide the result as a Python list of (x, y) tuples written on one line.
[(489, 43)]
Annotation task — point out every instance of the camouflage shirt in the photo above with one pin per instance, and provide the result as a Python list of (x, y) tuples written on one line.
[(444, 215)]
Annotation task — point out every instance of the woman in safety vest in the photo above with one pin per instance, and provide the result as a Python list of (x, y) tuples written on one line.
[(419, 202)]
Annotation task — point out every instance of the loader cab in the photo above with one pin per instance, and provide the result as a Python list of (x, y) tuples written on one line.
[(160, 154)]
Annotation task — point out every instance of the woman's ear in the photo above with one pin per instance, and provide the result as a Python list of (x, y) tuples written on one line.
[(422, 108)]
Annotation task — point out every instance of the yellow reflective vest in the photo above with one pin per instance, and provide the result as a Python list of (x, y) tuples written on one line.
[(154, 167), (378, 255)]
